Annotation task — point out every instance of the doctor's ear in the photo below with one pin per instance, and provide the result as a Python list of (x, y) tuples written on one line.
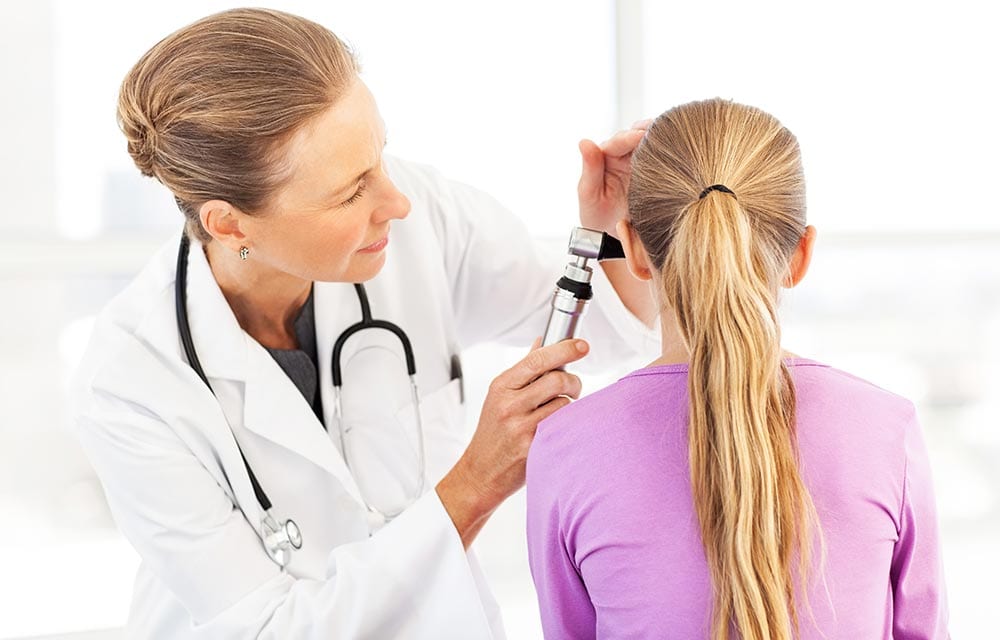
[(222, 221), (636, 259)]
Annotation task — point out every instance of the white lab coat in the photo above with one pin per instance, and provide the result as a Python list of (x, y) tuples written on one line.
[(460, 270)]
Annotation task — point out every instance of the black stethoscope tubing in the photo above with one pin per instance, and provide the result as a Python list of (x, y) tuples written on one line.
[(184, 328), (277, 537), (367, 323)]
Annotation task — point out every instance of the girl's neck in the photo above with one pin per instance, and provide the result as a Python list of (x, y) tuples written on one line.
[(673, 348)]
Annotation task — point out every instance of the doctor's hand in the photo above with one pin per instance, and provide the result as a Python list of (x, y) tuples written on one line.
[(603, 192), (493, 466), (603, 187)]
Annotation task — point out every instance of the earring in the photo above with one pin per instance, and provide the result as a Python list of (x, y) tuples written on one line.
[(244, 252)]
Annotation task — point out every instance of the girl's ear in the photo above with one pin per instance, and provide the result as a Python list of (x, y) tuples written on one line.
[(799, 264), (635, 254)]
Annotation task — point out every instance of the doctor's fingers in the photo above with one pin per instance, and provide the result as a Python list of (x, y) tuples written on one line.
[(539, 362), (547, 410), (553, 384), (622, 143)]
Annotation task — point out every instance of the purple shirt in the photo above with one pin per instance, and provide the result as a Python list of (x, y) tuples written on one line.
[(614, 543)]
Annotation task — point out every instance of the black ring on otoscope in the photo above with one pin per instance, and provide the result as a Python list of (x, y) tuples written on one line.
[(582, 290)]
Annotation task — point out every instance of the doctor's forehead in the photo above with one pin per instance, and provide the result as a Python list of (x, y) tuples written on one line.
[(328, 154)]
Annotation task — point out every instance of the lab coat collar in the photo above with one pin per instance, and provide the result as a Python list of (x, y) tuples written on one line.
[(329, 300), (218, 338)]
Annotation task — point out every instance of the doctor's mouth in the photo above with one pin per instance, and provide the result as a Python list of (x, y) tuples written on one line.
[(376, 247)]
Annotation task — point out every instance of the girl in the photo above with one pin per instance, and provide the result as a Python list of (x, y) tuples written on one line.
[(730, 489)]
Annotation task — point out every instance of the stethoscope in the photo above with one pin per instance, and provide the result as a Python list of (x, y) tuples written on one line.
[(280, 538)]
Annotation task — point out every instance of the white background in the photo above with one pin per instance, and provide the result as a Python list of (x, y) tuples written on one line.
[(891, 103)]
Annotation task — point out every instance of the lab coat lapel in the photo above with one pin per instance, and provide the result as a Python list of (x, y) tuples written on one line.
[(275, 409), (336, 307)]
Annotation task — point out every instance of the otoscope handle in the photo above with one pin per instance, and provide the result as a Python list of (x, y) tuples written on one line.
[(567, 309)]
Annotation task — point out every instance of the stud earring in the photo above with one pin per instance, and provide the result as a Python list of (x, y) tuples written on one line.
[(244, 252)]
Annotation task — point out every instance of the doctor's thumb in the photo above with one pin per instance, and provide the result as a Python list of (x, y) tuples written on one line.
[(592, 171)]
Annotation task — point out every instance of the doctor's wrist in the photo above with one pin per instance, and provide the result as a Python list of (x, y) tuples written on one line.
[(467, 505)]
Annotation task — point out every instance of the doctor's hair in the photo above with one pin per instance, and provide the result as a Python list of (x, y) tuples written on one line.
[(723, 257), (209, 109)]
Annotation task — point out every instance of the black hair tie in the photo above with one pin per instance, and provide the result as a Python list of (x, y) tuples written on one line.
[(716, 187)]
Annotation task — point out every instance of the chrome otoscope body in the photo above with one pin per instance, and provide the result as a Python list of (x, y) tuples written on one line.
[(573, 290)]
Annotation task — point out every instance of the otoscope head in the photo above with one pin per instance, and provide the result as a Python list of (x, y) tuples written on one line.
[(590, 244), (585, 243)]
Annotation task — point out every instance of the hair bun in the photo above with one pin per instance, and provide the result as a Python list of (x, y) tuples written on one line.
[(142, 147), (140, 132)]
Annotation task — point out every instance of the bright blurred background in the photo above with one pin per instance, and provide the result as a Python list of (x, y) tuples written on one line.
[(891, 101)]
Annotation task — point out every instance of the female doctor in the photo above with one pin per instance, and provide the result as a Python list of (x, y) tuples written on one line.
[(274, 405)]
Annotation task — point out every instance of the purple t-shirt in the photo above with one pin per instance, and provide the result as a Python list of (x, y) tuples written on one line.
[(614, 542)]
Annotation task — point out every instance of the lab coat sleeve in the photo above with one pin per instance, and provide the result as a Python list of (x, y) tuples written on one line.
[(411, 580), (502, 279), (920, 607)]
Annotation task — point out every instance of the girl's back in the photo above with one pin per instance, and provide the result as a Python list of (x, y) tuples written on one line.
[(614, 540)]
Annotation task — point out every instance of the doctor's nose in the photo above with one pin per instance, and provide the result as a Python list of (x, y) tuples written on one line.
[(393, 206)]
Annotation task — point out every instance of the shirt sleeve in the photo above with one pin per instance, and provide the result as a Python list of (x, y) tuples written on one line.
[(920, 608), (563, 601)]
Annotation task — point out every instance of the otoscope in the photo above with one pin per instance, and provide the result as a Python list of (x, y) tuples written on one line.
[(573, 291)]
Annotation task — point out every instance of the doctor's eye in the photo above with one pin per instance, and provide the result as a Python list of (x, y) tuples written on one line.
[(357, 195)]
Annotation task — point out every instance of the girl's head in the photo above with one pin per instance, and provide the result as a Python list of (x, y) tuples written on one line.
[(752, 162), (717, 201)]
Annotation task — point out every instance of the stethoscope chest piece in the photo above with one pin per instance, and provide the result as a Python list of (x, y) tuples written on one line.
[(280, 540)]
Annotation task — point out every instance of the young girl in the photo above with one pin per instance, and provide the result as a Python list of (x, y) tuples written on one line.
[(730, 489)]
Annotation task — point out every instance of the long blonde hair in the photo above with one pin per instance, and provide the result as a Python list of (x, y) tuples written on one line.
[(723, 257), (207, 110)]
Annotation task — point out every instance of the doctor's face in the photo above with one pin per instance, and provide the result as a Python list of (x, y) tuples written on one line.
[(330, 221)]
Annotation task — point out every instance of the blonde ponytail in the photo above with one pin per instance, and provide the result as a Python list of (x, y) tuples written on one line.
[(722, 252)]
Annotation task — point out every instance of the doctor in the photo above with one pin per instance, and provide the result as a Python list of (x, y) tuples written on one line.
[(282, 470)]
